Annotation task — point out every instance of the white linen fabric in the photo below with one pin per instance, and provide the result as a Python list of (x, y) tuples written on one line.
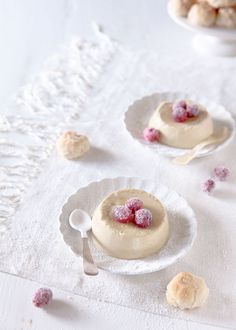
[(88, 87)]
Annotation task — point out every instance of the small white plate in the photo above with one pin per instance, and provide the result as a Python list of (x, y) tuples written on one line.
[(138, 114), (183, 225)]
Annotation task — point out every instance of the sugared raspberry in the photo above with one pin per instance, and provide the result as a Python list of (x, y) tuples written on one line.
[(208, 186), (134, 204), (143, 218), (42, 297), (221, 172), (179, 114), (122, 214), (181, 104), (192, 110), (151, 134)]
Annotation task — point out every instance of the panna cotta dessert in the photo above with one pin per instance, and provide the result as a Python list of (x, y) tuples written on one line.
[(182, 124), (130, 224)]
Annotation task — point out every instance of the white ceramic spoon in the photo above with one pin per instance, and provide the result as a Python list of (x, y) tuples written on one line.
[(80, 220), (213, 139)]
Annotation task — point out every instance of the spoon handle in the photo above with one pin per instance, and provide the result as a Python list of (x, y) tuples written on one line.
[(89, 266), (189, 155)]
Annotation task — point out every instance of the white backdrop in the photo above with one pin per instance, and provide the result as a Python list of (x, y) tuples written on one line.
[(30, 31)]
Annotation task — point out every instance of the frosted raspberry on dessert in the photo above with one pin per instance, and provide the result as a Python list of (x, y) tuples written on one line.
[(143, 218), (179, 114), (132, 211), (122, 214), (221, 172), (193, 110), (180, 104), (42, 297), (209, 186), (151, 134), (134, 204)]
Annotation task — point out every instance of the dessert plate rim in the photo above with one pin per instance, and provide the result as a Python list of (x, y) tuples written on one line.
[(98, 190), (135, 127)]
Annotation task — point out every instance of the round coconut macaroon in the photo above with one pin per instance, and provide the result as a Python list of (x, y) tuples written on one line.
[(221, 3), (72, 145), (226, 18), (181, 7), (187, 291), (202, 14)]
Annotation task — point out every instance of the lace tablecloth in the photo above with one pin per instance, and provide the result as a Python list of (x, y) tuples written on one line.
[(88, 86)]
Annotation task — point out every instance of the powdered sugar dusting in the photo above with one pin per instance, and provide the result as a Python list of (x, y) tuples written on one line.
[(221, 173), (122, 213), (134, 204), (42, 297), (143, 218)]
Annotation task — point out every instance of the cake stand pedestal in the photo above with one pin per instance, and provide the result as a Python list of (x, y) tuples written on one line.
[(211, 45)]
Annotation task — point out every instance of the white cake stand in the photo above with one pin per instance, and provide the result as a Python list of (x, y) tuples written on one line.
[(211, 41)]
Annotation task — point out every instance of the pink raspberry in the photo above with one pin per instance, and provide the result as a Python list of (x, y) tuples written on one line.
[(122, 214), (209, 186), (181, 104), (151, 134), (143, 218), (134, 204), (42, 297), (193, 110), (179, 114), (221, 172)]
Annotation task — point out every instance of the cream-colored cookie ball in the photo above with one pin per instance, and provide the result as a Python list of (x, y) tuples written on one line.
[(226, 18), (221, 3), (72, 145), (201, 14), (181, 7), (187, 291)]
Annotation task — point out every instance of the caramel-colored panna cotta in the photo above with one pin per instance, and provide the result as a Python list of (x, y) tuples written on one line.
[(181, 135), (128, 241)]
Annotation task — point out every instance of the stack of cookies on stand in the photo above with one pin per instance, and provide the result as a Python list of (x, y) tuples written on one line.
[(207, 13)]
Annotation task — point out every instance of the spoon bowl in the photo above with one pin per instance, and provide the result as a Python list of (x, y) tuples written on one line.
[(80, 220)]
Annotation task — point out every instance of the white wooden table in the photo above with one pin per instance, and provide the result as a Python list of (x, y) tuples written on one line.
[(30, 31)]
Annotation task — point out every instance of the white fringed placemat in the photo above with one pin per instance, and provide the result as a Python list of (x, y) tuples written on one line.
[(88, 86)]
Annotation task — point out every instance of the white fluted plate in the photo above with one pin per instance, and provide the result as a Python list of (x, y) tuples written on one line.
[(183, 225), (138, 114)]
